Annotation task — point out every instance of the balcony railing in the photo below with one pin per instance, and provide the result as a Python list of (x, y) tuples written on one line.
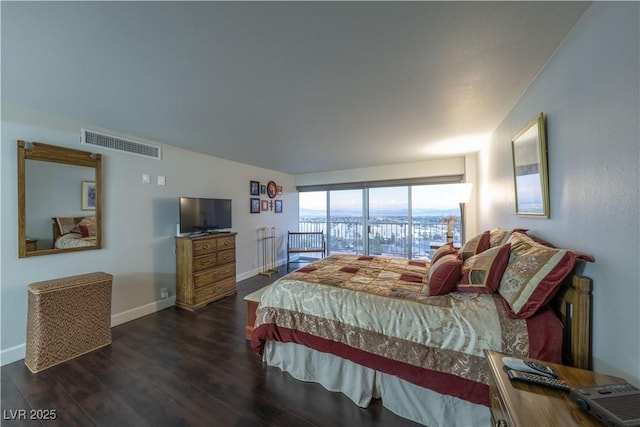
[(389, 236)]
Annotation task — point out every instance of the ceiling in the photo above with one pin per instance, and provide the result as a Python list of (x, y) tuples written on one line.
[(297, 87)]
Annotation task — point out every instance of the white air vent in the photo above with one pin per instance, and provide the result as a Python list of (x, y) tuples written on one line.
[(99, 139)]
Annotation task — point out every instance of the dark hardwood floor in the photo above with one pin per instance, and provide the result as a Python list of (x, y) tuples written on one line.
[(176, 368)]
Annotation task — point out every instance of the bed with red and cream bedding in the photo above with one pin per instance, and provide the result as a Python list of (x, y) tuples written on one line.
[(74, 232), (375, 316)]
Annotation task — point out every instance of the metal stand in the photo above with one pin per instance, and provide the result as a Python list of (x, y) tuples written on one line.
[(268, 238)]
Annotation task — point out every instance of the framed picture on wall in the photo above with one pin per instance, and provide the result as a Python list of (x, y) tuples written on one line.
[(254, 188), (265, 205), (531, 179), (255, 205), (88, 195), (278, 208)]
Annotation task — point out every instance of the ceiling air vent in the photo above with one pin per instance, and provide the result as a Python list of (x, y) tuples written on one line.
[(99, 139)]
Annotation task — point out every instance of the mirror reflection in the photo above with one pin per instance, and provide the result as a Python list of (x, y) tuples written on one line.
[(59, 199)]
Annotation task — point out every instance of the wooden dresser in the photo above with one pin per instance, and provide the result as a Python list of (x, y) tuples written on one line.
[(206, 269)]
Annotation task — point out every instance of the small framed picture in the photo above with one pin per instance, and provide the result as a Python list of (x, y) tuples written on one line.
[(278, 208), (254, 188), (255, 205), (279, 189), (265, 205), (530, 174), (263, 189), (88, 195)]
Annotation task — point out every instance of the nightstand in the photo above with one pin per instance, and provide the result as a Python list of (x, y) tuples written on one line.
[(520, 404)]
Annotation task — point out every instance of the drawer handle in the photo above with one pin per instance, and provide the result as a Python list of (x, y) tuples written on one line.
[(205, 246), (227, 243), (226, 257), (205, 262)]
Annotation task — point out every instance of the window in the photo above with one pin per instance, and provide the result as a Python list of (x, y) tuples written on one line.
[(395, 220)]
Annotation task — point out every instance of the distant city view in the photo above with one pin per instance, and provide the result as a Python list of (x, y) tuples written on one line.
[(393, 227), (387, 235)]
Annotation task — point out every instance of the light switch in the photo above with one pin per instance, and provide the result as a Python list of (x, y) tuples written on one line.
[(161, 180), (146, 178)]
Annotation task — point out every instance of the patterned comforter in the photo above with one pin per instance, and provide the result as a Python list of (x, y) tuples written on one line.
[(375, 312), (74, 240)]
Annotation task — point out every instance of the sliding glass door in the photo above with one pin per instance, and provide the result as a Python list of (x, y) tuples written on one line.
[(407, 221), (388, 221), (431, 207), (312, 211), (346, 222)]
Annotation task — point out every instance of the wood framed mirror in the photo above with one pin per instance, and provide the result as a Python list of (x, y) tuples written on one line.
[(59, 200)]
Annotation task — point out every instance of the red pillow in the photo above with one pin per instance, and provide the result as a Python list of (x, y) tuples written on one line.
[(443, 275), (481, 273), (478, 244), (443, 250), (87, 227)]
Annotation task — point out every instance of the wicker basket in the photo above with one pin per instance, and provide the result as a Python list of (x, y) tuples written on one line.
[(67, 317)]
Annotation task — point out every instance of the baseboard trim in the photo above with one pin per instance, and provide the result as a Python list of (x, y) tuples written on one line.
[(247, 274), (18, 352), (13, 354), (143, 310)]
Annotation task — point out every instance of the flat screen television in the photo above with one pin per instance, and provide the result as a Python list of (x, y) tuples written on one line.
[(199, 214)]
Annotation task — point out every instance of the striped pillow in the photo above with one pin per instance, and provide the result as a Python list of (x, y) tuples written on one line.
[(443, 250), (478, 244), (534, 274), (443, 275), (481, 273)]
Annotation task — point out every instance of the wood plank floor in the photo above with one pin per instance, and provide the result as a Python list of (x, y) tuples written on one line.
[(176, 368)]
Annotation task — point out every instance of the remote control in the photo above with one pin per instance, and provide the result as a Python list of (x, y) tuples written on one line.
[(538, 380), (528, 366)]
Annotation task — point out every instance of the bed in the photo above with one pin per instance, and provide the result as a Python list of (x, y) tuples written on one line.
[(74, 232), (413, 333)]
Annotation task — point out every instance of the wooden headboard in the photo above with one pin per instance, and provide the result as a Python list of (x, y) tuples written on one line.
[(572, 304)]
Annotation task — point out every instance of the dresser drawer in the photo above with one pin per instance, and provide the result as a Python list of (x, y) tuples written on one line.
[(204, 246), (210, 276), (226, 243), (226, 256), (217, 289), (203, 262)]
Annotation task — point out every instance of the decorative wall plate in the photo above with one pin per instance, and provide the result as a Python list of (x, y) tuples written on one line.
[(271, 189)]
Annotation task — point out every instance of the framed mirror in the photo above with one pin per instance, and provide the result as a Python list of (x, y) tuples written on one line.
[(530, 173), (59, 200)]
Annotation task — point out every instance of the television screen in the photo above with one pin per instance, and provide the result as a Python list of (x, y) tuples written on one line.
[(200, 214)]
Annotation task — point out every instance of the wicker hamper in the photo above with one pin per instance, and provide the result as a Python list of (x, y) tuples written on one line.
[(67, 317)]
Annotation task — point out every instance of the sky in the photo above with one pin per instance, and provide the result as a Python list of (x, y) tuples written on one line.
[(441, 196)]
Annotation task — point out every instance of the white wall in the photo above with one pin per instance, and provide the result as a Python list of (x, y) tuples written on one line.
[(590, 94), (139, 221)]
